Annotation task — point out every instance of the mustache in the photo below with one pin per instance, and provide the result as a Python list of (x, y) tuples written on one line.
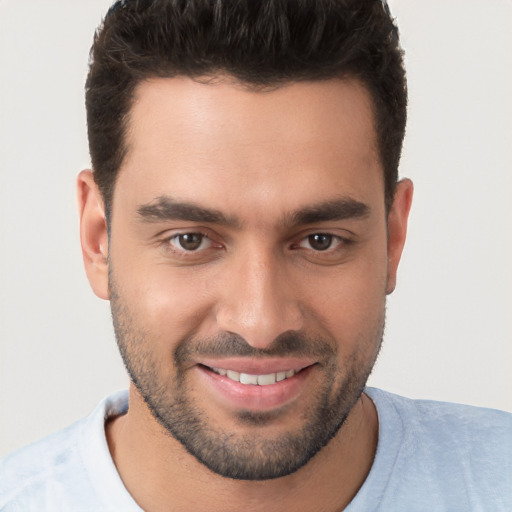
[(227, 344)]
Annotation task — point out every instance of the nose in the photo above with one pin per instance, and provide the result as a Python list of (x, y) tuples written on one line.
[(259, 300)]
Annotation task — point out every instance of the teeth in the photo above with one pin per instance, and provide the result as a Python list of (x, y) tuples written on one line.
[(265, 380), (255, 380), (233, 375), (245, 378)]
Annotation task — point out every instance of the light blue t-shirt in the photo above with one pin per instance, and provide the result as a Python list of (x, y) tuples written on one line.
[(431, 456)]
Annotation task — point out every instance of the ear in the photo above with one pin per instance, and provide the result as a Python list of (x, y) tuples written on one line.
[(397, 228), (93, 233)]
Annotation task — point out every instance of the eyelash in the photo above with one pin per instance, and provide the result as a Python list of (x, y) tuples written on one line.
[(182, 252), (333, 239)]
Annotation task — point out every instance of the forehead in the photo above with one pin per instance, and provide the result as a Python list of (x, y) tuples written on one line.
[(208, 141)]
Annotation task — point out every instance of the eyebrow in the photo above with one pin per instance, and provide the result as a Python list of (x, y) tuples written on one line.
[(165, 208), (337, 209)]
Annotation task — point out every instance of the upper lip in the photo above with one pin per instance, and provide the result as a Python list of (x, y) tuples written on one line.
[(261, 366)]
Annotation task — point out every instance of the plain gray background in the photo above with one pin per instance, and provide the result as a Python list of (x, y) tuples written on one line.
[(449, 322)]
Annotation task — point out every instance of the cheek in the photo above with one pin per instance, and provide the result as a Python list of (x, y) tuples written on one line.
[(352, 303), (168, 304), (352, 306), (161, 298)]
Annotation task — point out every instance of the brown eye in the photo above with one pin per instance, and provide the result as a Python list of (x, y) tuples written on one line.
[(320, 241), (188, 241)]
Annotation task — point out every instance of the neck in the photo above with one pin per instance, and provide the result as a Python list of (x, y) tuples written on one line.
[(161, 475)]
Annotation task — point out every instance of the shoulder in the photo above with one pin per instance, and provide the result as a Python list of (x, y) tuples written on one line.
[(56, 469), (454, 420), (31, 470), (457, 454)]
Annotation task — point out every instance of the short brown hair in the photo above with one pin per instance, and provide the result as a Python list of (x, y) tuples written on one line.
[(260, 43)]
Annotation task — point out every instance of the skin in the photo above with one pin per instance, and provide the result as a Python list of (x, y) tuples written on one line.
[(257, 158)]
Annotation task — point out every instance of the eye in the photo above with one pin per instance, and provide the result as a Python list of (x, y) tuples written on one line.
[(189, 242), (320, 241)]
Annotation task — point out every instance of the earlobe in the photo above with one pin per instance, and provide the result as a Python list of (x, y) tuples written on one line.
[(397, 228), (93, 233)]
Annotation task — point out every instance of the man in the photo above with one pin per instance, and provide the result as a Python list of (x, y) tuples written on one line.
[(245, 220)]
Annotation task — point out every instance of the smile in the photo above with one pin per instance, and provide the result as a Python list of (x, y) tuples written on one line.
[(254, 380), (255, 385)]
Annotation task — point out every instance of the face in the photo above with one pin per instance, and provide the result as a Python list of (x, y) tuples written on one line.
[(248, 265)]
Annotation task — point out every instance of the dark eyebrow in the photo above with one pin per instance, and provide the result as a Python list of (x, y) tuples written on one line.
[(337, 209), (165, 208)]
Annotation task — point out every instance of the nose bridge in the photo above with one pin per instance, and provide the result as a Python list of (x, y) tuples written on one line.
[(258, 301)]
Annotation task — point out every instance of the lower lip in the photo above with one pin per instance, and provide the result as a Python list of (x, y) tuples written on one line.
[(256, 398)]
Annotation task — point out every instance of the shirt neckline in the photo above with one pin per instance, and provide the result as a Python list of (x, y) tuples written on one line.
[(96, 454), (110, 489)]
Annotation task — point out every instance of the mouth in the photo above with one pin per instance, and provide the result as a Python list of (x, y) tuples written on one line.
[(256, 385), (252, 379)]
